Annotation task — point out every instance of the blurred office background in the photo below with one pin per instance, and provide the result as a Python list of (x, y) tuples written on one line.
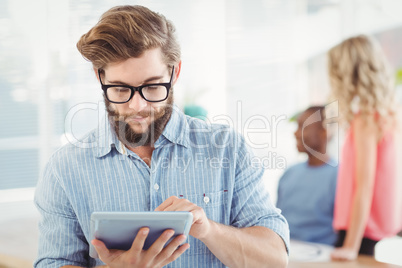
[(250, 64)]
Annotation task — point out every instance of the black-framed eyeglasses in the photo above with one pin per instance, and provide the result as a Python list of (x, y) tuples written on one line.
[(123, 93)]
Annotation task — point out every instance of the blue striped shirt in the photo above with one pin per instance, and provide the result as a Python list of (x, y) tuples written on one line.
[(191, 159)]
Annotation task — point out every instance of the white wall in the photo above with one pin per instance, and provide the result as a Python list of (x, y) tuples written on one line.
[(255, 62)]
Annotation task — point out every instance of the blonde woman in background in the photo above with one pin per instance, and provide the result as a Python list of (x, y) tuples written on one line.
[(366, 210)]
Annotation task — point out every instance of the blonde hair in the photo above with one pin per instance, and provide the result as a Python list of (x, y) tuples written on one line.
[(125, 32), (358, 70)]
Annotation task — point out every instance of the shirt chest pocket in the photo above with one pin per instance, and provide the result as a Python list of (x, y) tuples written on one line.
[(216, 208)]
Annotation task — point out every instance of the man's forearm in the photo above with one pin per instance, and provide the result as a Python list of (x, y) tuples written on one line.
[(246, 247)]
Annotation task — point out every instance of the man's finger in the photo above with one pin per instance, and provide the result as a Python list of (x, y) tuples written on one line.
[(139, 240), (101, 249), (169, 249), (159, 243), (180, 250), (168, 202), (181, 205)]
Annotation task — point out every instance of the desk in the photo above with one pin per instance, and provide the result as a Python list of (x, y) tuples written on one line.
[(18, 234), (7, 261), (361, 262), (313, 255)]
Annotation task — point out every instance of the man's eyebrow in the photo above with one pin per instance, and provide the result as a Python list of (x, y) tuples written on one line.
[(150, 79)]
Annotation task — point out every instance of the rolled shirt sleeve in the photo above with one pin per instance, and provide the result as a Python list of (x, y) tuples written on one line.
[(251, 204)]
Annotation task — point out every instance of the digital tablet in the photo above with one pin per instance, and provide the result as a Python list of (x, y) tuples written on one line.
[(118, 229)]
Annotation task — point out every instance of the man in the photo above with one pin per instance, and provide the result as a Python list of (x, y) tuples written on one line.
[(150, 156), (306, 191)]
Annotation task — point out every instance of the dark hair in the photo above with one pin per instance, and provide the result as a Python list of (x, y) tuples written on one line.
[(314, 109), (125, 32)]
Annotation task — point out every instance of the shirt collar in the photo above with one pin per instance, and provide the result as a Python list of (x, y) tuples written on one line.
[(176, 131), (107, 140)]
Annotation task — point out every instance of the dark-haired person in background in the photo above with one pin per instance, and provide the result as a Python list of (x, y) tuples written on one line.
[(306, 191)]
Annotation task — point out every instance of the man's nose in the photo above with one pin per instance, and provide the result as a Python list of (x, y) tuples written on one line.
[(137, 102), (297, 132)]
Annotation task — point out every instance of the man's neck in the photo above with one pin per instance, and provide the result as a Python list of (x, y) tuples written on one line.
[(314, 161), (144, 152)]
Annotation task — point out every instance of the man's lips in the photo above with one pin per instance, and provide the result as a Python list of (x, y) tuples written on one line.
[(136, 118), (299, 141)]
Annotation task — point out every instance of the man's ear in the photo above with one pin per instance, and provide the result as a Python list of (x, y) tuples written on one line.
[(177, 70), (325, 134)]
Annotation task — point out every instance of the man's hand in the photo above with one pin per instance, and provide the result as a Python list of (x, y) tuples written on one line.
[(156, 256), (201, 225), (254, 246)]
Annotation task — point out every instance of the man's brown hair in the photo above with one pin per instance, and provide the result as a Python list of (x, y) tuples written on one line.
[(125, 32)]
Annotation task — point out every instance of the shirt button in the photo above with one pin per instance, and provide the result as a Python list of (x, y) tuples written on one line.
[(156, 187), (206, 199)]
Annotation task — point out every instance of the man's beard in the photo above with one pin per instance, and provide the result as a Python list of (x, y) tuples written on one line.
[(128, 136)]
